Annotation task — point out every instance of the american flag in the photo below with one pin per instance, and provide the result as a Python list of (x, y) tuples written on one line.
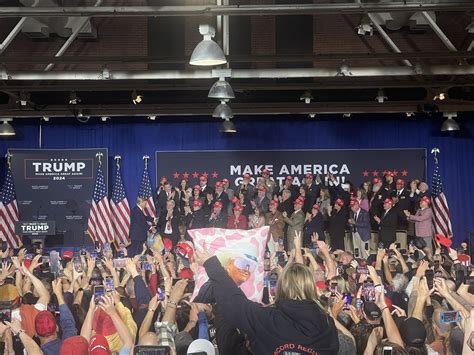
[(9, 213), (145, 192), (99, 225), (441, 220), (120, 211)]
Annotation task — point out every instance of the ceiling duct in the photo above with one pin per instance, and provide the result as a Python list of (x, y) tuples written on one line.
[(43, 27)]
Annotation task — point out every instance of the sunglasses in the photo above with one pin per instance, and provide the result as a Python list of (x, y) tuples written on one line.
[(245, 264)]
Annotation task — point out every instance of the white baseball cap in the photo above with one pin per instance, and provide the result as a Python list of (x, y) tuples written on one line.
[(201, 346)]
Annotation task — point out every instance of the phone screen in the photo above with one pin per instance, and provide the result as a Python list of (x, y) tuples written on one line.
[(99, 292), (348, 298), (119, 263), (387, 350), (6, 315), (151, 350), (368, 291), (429, 278), (109, 284), (161, 294), (449, 317), (333, 289), (362, 270), (78, 265), (356, 252)]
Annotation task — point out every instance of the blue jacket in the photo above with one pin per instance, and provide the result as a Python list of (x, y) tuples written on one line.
[(362, 225), (138, 224), (68, 328)]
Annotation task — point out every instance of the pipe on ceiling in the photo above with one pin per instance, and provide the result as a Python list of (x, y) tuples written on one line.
[(246, 73), (234, 10)]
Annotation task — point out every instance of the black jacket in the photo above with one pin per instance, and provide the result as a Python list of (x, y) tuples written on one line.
[(138, 224), (337, 228), (315, 225), (290, 325), (388, 227)]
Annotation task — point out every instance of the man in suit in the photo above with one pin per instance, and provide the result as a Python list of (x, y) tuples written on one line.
[(423, 222), (402, 202), (313, 188), (197, 217), (246, 185), (261, 201), (389, 184), (337, 224), (205, 188), (139, 226), (217, 219), (387, 223), (268, 183), (376, 202), (295, 223), (221, 196), (168, 222), (359, 222), (313, 225), (165, 195), (230, 194), (288, 185)]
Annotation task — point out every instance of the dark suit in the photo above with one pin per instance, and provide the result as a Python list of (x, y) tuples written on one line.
[(138, 230), (197, 219), (224, 199), (163, 198), (312, 226), (174, 223), (262, 203), (362, 225), (219, 222), (337, 229), (206, 190), (388, 227), (404, 203), (376, 206)]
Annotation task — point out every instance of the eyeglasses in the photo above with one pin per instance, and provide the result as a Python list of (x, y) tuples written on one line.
[(245, 264)]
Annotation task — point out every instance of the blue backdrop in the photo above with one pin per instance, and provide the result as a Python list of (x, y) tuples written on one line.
[(132, 141)]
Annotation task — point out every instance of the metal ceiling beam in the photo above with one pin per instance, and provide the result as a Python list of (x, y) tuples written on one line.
[(237, 108), (439, 32), (234, 10), (235, 58), (246, 73)]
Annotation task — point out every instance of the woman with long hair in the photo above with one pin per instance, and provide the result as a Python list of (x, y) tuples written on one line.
[(296, 322)]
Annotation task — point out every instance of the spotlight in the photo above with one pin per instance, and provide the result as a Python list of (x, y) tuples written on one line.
[(73, 98), (80, 114), (136, 99), (381, 96), (105, 118), (221, 89), (365, 27), (207, 52), (106, 73), (3, 74), (311, 115), (409, 114), (227, 126), (23, 99), (450, 124), (6, 129), (346, 115), (307, 97), (344, 71), (223, 111), (151, 118), (439, 95), (45, 118)]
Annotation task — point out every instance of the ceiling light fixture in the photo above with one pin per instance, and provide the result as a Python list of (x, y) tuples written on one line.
[(207, 52), (6, 129), (151, 118), (136, 99), (227, 126), (23, 98), (381, 96), (73, 98), (306, 97), (106, 73), (311, 115), (344, 70), (450, 124), (45, 118), (223, 111), (439, 95), (105, 118), (365, 27), (346, 115), (409, 114), (221, 89)]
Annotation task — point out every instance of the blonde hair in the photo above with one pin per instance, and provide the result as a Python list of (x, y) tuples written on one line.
[(296, 282)]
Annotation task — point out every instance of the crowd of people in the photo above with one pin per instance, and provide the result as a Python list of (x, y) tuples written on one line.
[(348, 270)]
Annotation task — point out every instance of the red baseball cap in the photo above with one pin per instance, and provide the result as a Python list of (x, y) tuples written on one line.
[(197, 202), (219, 184), (262, 188), (265, 172), (289, 177), (389, 201), (389, 173), (186, 273), (163, 179), (238, 208), (45, 324), (235, 199), (339, 202), (184, 250), (299, 201), (400, 182), (308, 176), (376, 181), (274, 203), (98, 345), (76, 345), (316, 207), (203, 178), (197, 187), (247, 176), (218, 204), (353, 202), (168, 244), (225, 181), (426, 199), (68, 254)]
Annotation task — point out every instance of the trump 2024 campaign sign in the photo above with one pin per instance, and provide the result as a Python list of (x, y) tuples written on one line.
[(355, 165), (57, 185)]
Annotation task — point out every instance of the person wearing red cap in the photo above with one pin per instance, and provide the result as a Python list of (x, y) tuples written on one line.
[(196, 218), (389, 183), (246, 186), (167, 194), (423, 219), (268, 183), (402, 202), (196, 195), (275, 220), (237, 220), (337, 224), (313, 187), (295, 223), (286, 204), (221, 196), (168, 222), (313, 225), (261, 201), (387, 223), (184, 193), (377, 202), (288, 185), (205, 188), (217, 219), (359, 221)]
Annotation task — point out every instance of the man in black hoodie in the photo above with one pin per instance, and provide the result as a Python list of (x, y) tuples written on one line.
[(290, 325)]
